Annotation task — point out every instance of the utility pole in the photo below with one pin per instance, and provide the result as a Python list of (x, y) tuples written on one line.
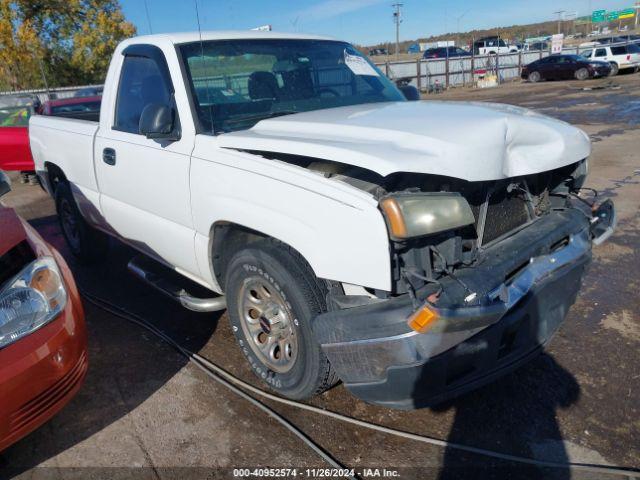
[(559, 13), (458, 18), (397, 18), (637, 7)]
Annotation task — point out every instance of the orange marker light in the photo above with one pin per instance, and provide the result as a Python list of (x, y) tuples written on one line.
[(422, 320), (394, 218)]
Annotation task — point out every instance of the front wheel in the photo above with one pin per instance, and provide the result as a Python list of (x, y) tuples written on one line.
[(614, 69), (86, 243), (582, 74), (273, 298)]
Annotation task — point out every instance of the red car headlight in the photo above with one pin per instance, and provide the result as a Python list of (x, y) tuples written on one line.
[(31, 299)]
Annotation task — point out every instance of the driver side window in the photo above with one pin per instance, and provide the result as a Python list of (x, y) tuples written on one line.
[(141, 84)]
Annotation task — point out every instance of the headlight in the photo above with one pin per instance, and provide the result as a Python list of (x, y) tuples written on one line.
[(417, 214), (30, 300)]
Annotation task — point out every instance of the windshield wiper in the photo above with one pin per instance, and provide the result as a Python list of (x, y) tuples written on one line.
[(261, 116)]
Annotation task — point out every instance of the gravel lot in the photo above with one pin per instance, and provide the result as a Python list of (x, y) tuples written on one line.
[(145, 413)]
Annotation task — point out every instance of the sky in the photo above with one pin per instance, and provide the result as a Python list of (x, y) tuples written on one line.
[(364, 22)]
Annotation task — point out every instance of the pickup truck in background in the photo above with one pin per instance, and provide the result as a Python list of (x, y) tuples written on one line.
[(352, 234)]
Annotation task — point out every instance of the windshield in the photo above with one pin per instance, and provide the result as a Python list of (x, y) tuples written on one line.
[(237, 83)]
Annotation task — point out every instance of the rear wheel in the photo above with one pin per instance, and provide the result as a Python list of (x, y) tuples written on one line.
[(534, 77), (582, 74), (86, 243), (273, 297), (614, 69)]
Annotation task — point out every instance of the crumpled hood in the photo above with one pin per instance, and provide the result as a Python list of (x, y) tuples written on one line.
[(468, 140)]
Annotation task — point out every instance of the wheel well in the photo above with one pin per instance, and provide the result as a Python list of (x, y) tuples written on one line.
[(229, 238), (55, 175)]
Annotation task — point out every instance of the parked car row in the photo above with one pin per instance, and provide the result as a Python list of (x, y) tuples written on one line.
[(601, 61)]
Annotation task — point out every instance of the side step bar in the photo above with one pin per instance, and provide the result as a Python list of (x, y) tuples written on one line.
[(174, 285)]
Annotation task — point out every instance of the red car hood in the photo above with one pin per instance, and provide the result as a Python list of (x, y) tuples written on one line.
[(12, 230)]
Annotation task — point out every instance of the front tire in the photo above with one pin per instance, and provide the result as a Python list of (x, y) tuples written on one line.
[(273, 298), (87, 244), (582, 74), (614, 69)]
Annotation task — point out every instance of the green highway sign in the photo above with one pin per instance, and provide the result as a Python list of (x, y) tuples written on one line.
[(613, 15), (627, 13), (598, 16)]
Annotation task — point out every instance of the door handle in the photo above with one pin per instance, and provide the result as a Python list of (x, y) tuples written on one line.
[(109, 156)]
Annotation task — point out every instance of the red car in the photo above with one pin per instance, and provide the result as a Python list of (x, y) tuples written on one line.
[(15, 153), (43, 340)]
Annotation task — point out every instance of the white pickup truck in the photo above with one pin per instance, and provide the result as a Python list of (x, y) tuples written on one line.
[(412, 249)]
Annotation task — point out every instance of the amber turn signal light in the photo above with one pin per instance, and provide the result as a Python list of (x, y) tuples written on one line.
[(394, 217), (423, 319)]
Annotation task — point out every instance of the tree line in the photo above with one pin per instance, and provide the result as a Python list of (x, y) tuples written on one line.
[(58, 43)]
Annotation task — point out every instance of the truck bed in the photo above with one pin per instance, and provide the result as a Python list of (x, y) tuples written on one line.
[(68, 144)]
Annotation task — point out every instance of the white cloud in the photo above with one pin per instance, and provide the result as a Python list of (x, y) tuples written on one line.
[(333, 8)]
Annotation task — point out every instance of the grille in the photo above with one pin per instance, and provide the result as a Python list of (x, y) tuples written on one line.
[(38, 406), (505, 212)]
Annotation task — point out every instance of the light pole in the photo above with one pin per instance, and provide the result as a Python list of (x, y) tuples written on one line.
[(458, 18), (559, 13), (397, 18)]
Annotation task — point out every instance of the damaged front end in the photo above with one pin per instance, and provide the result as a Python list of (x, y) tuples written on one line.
[(483, 274)]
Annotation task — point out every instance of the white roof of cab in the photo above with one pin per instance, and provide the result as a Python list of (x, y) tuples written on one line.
[(187, 37)]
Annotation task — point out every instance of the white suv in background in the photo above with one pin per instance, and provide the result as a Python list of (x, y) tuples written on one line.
[(619, 56)]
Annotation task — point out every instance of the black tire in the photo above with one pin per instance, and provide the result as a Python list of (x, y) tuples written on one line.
[(288, 279), (614, 69), (87, 244), (582, 74), (534, 77)]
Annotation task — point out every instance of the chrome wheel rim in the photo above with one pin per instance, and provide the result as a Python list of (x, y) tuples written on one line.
[(70, 224), (267, 324)]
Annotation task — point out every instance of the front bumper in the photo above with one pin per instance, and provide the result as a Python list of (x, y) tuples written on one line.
[(381, 360), (601, 71)]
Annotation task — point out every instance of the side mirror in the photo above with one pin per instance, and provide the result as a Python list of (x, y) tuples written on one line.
[(157, 122), (410, 92), (5, 184)]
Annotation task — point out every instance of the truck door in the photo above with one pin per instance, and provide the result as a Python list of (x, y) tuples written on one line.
[(144, 183)]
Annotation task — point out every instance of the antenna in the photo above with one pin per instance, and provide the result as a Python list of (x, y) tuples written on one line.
[(206, 79), (146, 9), (198, 20)]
